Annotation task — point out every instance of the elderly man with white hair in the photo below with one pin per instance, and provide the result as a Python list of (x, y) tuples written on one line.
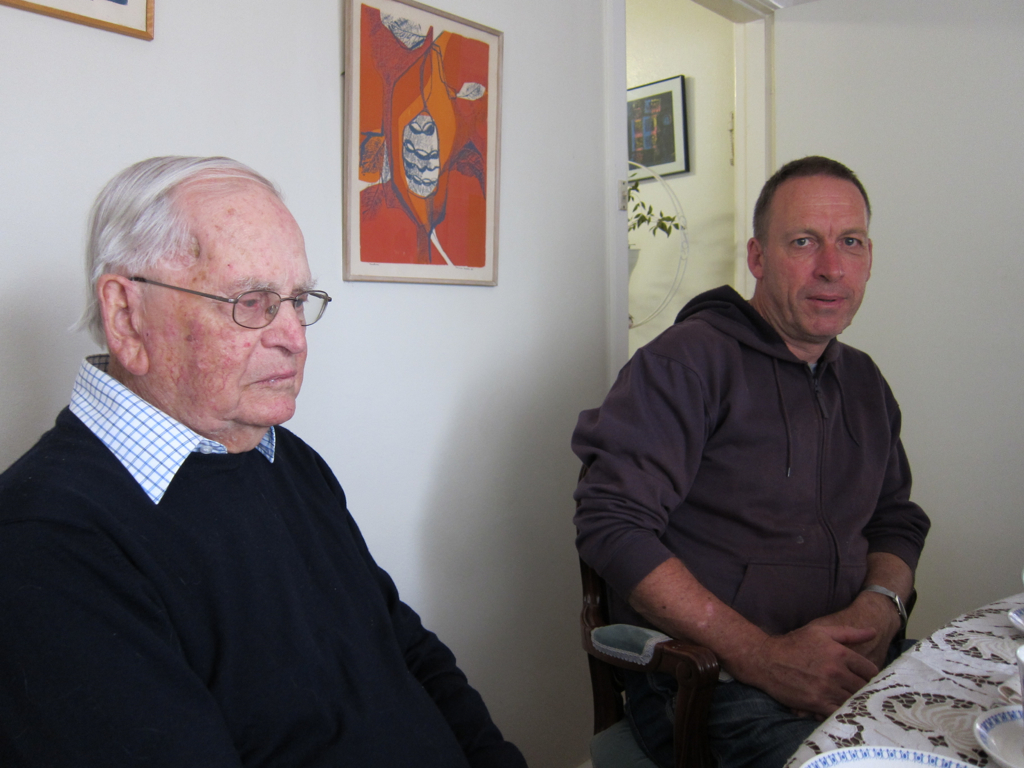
[(181, 583)]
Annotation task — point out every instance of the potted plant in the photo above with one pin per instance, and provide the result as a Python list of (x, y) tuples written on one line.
[(642, 214)]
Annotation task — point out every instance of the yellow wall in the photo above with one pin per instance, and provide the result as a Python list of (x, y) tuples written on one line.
[(666, 38)]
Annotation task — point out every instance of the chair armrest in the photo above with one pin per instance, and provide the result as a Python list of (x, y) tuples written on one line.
[(694, 667), (627, 642), (647, 650), (608, 646)]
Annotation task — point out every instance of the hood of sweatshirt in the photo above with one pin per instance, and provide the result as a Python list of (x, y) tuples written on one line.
[(730, 313), (733, 315)]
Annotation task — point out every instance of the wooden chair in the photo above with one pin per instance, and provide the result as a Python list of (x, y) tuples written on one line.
[(622, 646)]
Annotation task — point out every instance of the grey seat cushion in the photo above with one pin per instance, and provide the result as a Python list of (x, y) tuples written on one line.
[(615, 747)]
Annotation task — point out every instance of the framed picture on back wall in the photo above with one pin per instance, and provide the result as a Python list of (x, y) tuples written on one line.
[(127, 17), (422, 114), (656, 115)]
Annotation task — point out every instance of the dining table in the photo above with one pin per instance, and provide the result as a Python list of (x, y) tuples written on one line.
[(929, 698)]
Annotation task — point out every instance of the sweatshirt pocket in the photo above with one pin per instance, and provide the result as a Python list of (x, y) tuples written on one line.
[(781, 597)]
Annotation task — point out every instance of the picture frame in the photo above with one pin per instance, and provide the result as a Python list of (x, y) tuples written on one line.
[(421, 145), (656, 128), (126, 17)]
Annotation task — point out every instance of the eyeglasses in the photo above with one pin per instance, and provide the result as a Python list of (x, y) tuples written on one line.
[(257, 309)]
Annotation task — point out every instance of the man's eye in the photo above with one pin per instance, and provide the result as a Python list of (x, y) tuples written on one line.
[(851, 242), (800, 242)]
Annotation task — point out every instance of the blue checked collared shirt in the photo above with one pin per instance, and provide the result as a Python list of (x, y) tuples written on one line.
[(150, 444)]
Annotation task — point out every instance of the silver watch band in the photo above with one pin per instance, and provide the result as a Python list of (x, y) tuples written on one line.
[(895, 599)]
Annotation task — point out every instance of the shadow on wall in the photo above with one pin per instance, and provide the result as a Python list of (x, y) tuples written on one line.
[(41, 357), (502, 562)]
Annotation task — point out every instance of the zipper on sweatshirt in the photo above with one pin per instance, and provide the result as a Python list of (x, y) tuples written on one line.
[(823, 416)]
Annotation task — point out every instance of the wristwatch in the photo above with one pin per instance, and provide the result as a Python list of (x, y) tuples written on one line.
[(895, 599)]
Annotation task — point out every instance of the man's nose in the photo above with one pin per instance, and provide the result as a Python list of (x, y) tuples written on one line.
[(829, 264), (286, 330)]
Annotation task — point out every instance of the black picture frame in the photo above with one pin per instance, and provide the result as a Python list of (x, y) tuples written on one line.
[(656, 128)]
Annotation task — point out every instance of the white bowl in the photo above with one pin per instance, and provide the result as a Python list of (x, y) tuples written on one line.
[(1000, 732), (882, 757), (1017, 618)]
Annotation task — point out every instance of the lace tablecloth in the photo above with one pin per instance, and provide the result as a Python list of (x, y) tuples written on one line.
[(929, 698)]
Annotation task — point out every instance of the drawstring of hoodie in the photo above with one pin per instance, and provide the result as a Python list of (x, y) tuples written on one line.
[(842, 406), (785, 414), (785, 418)]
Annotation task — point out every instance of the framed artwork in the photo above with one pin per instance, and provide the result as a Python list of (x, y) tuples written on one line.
[(422, 113), (657, 127), (128, 17)]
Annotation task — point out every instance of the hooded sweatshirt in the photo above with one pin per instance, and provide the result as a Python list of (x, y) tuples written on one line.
[(770, 480)]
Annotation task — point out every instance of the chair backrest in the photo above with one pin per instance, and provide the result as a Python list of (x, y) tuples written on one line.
[(695, 669), (604, 684)]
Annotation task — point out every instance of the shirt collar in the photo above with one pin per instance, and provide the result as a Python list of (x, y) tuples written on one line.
[(151, 445)]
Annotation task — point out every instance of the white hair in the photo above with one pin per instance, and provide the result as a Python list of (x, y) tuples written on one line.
[(135, 224)]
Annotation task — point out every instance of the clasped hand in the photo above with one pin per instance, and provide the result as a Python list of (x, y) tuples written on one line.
[(816, 668), (813, 669)]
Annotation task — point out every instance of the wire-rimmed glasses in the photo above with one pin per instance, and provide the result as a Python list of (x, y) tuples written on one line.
[(257, 309)]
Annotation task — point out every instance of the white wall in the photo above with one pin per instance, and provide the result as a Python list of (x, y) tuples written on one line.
[(667, 38), (924, 99), (445, 411)]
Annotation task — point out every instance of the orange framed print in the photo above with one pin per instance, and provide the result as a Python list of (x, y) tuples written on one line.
[(127, 17), (421, 130)]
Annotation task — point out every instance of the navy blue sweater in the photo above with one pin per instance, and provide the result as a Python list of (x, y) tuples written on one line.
[(242, 621)]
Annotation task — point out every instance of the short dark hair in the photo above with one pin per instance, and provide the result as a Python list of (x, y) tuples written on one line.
[(815, 165)]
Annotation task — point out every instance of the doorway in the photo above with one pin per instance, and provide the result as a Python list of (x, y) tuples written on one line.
[(724, 65)]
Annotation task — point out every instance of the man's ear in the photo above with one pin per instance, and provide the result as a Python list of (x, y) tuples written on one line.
[(120, 300), (755, 258)]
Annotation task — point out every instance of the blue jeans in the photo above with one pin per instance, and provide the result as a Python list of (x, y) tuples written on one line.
[(747, 727)]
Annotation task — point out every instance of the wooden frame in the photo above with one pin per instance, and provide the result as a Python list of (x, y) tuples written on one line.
[(421, 145), (656, 115), (127, 17)]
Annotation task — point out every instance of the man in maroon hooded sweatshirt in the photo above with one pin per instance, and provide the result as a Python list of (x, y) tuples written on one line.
[(747, 488)]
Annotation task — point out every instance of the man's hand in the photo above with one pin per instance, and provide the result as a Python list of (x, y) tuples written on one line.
[(812, 669), (869, 611), (874, 611)]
